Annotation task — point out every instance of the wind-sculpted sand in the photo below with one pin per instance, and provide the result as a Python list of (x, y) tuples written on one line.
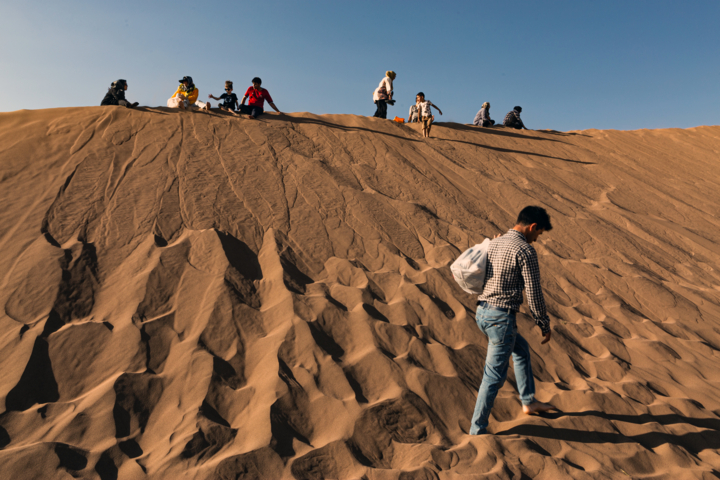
[(192, 296)]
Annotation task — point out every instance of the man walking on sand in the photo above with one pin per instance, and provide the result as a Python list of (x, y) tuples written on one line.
[(512, 265)]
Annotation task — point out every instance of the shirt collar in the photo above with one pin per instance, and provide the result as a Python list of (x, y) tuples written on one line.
[(517, 234)]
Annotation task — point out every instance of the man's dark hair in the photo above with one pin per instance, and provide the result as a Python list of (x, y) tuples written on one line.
[(518, 109), (256, 80), (421, 94), (533, 214)]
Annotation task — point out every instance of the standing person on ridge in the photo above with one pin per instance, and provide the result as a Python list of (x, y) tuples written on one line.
[(257, 96), (512, 119), (512, 266), (383, 94), (116, 95), (186, 96), (425, 113), (482, 119)]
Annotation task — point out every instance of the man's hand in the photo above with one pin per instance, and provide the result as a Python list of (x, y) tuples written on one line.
[(546, 338)]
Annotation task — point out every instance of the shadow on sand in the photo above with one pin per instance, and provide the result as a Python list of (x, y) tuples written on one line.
[(694, 441), (456, 126), (496, 130)]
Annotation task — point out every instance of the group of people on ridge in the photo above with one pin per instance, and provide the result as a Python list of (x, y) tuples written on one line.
[(186, 96), (512, 119), (421, 110)]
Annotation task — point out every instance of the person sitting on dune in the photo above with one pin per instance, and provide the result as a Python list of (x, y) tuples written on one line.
[(230, 100), (512, 119), (116, 95), (413, 114), (186, 96), (482, 119), (257, 96), (512, 265)]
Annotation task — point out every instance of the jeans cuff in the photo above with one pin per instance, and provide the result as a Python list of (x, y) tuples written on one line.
[(527, 402)]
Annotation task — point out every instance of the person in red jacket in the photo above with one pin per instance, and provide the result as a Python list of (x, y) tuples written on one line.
[(256, 102)]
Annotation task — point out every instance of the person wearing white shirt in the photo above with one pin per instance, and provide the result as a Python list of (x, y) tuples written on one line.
[(383, 94), (425, 113)]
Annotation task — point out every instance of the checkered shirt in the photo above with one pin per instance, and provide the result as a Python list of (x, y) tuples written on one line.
[(513, 118), (512, 265)]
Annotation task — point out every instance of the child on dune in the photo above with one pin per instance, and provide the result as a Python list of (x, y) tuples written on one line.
[(230, 100), (425, 113)]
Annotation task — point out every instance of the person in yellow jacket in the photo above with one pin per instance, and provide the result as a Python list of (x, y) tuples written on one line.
[(186, 96)]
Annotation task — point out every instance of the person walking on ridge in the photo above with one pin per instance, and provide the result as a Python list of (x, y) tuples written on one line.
[(382, 96), (116, 95), (257, 96), (482, 119), (512, 265), (512, 119), (425, 113)]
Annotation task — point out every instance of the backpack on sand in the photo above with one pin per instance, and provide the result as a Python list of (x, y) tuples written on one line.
[(469, 269)]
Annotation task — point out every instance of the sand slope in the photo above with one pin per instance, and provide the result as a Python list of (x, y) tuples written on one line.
[(191, 296)]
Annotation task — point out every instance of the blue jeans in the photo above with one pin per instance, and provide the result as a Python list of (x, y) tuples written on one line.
[(503, 341)]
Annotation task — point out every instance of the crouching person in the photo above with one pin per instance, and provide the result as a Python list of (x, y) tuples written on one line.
[(186, 96), (512, 119), (116, 95), (482, 119)]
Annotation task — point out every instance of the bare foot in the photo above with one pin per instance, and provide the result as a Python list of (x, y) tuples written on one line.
[(537, 407), (251, 117)]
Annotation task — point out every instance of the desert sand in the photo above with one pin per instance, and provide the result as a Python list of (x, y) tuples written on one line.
[(193, 296)]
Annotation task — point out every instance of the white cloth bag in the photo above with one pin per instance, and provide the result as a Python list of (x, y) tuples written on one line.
[(470, 267)]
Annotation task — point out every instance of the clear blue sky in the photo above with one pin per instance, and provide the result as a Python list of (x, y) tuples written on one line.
[(570, 64)]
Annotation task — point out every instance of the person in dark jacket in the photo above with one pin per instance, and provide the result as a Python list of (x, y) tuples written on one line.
[(116, 95), (512, 119)]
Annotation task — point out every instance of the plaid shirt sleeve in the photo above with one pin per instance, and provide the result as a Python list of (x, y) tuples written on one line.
[(531, 275)]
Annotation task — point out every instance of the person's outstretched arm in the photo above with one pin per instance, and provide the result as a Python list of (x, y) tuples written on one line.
[(436, 107), (214, 98), (274, 107), (243, 100)]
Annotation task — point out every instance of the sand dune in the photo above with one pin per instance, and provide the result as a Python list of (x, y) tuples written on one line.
[(191, 296)]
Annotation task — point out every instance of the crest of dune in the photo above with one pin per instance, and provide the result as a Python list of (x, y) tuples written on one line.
[(193, 296)]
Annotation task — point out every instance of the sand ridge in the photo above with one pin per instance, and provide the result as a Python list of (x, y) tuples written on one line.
[(196, 296)]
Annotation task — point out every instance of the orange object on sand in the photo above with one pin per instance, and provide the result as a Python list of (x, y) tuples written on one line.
[(399, 120)]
